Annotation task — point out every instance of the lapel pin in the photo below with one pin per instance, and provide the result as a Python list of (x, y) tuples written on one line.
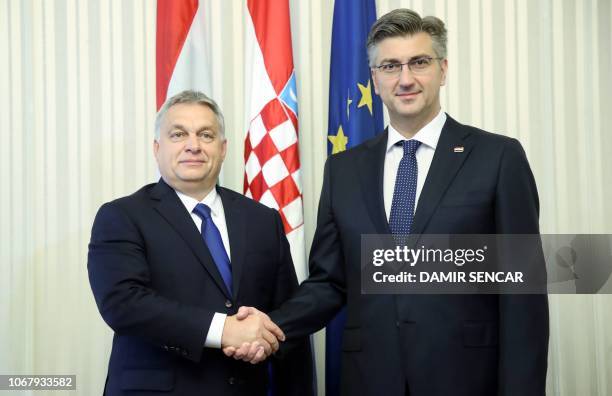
[(458, 149)]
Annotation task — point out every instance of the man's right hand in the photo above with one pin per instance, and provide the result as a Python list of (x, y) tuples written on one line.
[(256, 334)]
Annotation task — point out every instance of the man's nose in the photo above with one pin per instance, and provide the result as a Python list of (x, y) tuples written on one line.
[(193, 143), (406, 78)]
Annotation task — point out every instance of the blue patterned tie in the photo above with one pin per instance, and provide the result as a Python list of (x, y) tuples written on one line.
[(404, 194), (212, 239)]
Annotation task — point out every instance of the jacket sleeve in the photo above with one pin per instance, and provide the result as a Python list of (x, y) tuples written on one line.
[(120, 280), (524, 327), (321, 295), (293, 371)]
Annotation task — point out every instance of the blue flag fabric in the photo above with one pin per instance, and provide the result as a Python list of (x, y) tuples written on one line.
[(355, 111), (355, 115)]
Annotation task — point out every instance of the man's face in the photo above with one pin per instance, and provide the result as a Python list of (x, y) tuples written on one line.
[(409, 95), (190, 149)]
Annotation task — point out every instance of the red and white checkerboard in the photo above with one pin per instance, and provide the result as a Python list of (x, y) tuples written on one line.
[(272, 163)]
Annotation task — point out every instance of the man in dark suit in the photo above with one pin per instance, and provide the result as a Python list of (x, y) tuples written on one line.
[(170, 264), (426, 174)]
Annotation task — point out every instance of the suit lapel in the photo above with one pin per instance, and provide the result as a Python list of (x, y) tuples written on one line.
[(170, 207), (443, 169), (236, 229), (371, 166)]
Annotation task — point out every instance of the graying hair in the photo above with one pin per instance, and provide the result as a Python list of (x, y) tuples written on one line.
[(190, 97), (404, 22)]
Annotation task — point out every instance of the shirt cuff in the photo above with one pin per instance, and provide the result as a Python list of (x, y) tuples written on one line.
[(215, 331)]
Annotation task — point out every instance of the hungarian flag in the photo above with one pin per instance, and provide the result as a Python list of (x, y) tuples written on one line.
[(272, 161), (182, 49)]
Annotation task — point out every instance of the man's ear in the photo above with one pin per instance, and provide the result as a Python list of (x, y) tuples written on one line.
[(374, 81), (444, 67), (224, 149)]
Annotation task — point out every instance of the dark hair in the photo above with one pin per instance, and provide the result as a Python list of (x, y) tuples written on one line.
[(403, 22)]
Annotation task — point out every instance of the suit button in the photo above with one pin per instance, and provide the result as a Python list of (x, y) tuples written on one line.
[(166, 347), (231, 380), (228, 304)]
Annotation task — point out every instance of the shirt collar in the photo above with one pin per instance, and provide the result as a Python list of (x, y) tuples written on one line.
[(209, 200), (428, 135)]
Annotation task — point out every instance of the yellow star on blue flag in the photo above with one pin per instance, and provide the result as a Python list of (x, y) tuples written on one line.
[(338, 141), (366, 96)]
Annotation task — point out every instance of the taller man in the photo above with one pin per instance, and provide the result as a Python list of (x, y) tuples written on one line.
[(468, 181), (171, 263)]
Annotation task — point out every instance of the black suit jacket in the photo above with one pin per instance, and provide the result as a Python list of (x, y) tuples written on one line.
[(432, 344), (157, 287)]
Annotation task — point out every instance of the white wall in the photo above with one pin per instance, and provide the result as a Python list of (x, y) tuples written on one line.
[(78, 100)]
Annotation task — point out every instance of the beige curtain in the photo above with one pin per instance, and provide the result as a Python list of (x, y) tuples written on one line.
[(76, 123)]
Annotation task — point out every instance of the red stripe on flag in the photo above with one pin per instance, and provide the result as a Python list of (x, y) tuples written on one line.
[(174, 19), (273, 31)]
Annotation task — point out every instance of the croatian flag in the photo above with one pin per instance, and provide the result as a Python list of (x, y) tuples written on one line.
[(272, 161), (182, 49)]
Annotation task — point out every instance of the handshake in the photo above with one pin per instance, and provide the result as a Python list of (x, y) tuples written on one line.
[(250, 335)]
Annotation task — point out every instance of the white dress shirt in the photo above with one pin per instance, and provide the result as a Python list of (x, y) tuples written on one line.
[(213, 201), (428, 136)]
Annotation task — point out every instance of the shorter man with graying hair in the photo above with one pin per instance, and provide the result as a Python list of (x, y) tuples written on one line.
[(425, 174), (170, 264)]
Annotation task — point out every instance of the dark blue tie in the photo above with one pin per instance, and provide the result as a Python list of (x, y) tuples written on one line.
[(212, 239), (404, 194)]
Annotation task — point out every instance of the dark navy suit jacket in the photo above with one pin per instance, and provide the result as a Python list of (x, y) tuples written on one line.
[(157, 287), (432, 345)]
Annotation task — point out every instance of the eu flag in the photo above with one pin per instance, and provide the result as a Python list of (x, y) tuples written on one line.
[(355, 111), (355, 115)]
